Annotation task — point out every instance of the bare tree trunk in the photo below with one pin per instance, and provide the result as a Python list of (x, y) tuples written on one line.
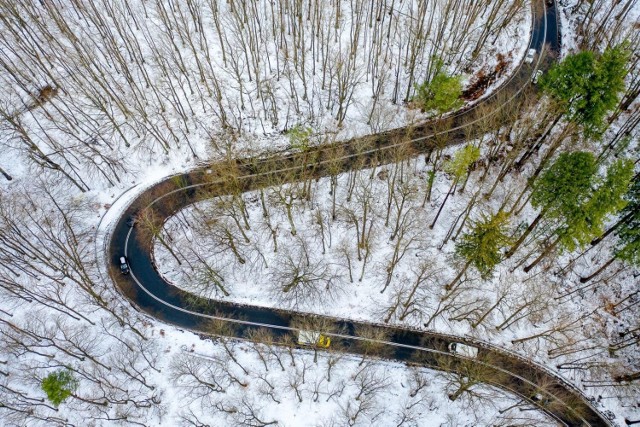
[(524, 235), (542, 255), (598, 271), (611, 229), (451, 284), (452, 190), (5, 174)]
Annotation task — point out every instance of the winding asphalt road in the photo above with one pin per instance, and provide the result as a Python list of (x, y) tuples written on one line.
[(149, 292)]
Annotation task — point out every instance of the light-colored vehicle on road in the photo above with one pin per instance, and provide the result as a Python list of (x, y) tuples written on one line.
[(465, 350), (536, 77), (531, 54), (313, 338), (124, 265)]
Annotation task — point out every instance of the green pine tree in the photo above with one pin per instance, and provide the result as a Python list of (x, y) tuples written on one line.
[(561, 190), (579, 217), (588, 86), (443, 93), (607, 198), (481, 245), (59, 385), (300, 137), (458, 166), (628, 231), (628, 247)]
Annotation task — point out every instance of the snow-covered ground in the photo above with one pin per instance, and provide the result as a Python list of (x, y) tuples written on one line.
[(233, 80), (130, 108), (519, 311), (294, 388)]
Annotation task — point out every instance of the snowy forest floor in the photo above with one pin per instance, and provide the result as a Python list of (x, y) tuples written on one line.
[(107, 98)]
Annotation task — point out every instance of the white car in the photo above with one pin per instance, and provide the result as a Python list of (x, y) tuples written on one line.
[(536, 77), (124, 265), (531, 54), (465, 350)]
